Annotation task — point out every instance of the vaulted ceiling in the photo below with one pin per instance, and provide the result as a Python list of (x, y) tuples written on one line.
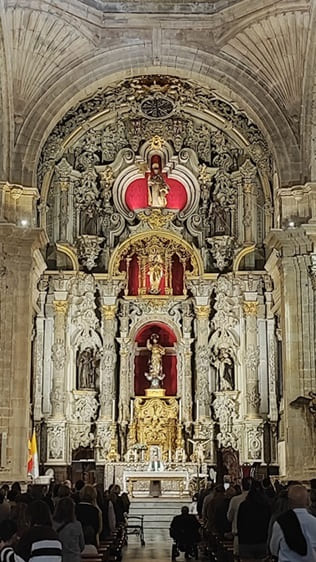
[(257, 53)]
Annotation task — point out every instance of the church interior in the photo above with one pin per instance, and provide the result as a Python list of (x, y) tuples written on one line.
[(157, 240)]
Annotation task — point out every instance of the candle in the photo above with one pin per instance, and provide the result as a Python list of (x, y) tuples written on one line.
[(132, 410), (113, 411), (180, 411), (197, 411), (169, 455)]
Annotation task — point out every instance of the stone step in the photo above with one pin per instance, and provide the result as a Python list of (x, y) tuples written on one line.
[(158, 514)]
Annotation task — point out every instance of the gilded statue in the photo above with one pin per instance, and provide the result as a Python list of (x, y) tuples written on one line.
[(157, 188), (155, 272), (155, 374)]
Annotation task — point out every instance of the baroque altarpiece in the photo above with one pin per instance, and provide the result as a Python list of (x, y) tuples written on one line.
[(157, 200)]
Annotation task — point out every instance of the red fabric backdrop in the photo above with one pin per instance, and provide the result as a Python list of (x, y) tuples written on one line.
[(136, 196), (169, 362), (133, 277)]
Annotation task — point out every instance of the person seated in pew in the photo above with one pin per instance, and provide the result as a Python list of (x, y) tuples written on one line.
[(184, 530)]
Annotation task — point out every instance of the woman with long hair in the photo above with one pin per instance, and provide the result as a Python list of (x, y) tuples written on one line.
[(69, 530)]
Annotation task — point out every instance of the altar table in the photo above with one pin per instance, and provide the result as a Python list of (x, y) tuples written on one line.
[(178, 482)]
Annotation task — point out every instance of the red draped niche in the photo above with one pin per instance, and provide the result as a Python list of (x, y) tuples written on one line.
[(134, 278), (167, 339), (136, 196)]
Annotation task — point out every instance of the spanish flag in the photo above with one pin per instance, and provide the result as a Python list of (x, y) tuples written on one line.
[(32, 462)]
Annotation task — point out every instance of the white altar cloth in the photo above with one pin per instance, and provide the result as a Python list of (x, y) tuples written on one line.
[(182, 476)]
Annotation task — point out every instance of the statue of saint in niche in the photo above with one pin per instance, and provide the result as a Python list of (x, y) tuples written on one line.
[(87, 365), (157, 188), (155, 272), (225, 369), (155, 374)]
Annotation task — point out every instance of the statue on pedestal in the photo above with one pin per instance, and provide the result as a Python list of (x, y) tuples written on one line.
[(155, 374)]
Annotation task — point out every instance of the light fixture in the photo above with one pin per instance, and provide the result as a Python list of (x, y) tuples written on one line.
[(24, 222)]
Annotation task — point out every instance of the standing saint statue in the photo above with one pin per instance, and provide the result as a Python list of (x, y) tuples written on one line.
[(155, 272), (157, 188), (86, 363), (155, 374), (226, 369)]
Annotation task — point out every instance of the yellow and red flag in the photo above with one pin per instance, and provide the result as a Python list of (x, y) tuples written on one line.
[(32, 462)]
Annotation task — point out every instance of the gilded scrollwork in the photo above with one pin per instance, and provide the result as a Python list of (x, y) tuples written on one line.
[(157, 422)]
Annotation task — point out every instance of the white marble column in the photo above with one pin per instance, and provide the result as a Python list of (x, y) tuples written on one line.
[(59, 359), (108, 362), (38, 352), (202, 362), (124, 395), (252, 359)]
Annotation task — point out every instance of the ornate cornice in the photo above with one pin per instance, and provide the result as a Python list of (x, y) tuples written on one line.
[(129, 95)]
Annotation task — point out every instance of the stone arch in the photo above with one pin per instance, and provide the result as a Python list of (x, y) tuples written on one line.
[(225, 78)]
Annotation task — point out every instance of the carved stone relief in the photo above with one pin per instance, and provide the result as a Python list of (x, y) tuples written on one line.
[(85, 406), (56, 442)]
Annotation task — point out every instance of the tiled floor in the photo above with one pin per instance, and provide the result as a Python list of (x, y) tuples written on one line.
[(157, 547)]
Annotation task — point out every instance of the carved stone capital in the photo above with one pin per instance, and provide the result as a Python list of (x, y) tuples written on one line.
[(202, 311), (16, 192), (109, 311), (250, 308), (60, 307)]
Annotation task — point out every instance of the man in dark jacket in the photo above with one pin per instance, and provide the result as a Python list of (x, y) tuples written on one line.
[(184, 530)]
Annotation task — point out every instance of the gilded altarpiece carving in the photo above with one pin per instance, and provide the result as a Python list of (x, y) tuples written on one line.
[(164, 232), (156, 424)]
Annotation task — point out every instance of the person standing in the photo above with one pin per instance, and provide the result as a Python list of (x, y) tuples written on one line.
[(40, 543), (294, 532), (232, 512), (69, 530), (87, 511), (252, 524), (8, 530)]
